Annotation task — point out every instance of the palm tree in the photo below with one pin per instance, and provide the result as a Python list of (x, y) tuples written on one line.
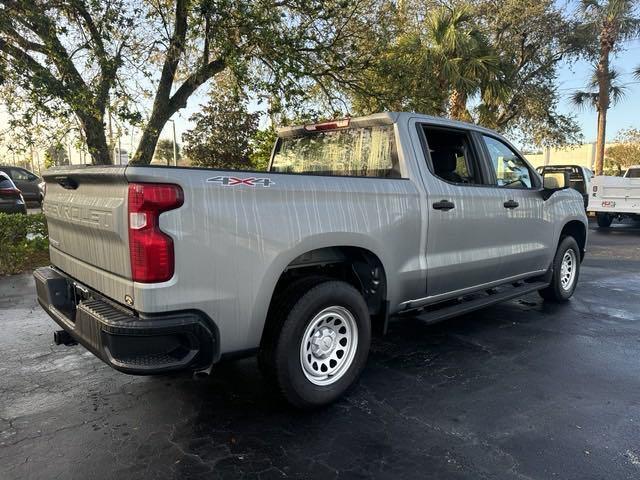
[(461, 56), (636, 72), (611, 22), (591, 97)]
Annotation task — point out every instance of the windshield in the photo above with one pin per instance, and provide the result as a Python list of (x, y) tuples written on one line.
[(355, 152)]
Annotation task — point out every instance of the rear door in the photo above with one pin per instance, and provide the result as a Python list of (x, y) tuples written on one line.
[(462, 248), (518, 211)]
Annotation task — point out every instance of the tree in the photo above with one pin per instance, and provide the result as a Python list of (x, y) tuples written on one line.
[(261, 148), (610, 22), (223, 131), (626, 151), (493, 62), (55, 155), (462, 59), (94, 59), (164, 151), (591, 97), (532, 38)]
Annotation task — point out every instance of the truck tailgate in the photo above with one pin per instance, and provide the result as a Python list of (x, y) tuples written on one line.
[(86, 211)]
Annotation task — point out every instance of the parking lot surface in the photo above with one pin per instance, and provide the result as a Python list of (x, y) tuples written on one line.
[(516, 391)]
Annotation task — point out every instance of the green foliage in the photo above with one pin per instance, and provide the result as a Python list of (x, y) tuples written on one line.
[(626, 152), (261, 148), (494, 63), (24, 243), (82, 58), (164, 152), (223, 131), (55, 155)]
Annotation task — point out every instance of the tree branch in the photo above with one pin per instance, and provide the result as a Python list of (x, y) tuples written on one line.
[(191, 84), (31, 64)]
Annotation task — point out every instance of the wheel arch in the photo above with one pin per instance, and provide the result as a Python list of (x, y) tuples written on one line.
[(577, 230), (353, 262)]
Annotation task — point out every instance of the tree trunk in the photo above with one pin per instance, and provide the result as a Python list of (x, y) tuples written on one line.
[(150, 135), (604, 87), (600, 141), (458, 106), (95, 139)]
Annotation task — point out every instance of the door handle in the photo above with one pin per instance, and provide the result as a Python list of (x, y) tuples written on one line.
[(511, 204), (444, 205)]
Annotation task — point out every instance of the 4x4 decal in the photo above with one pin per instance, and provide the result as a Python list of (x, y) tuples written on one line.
[(249, 182)]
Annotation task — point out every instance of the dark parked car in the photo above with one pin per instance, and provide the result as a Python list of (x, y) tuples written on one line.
[(31, 185), (11, 200)]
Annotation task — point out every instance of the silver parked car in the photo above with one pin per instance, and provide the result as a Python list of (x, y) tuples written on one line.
[(161, 268), (11, 200)]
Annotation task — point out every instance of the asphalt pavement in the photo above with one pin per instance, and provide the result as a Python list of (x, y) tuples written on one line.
[(523, 390)]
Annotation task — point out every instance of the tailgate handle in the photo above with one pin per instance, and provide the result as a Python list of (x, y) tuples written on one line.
[(67, 182)]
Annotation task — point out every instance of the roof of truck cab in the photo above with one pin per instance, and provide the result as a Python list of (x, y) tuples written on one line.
[(388, 118)]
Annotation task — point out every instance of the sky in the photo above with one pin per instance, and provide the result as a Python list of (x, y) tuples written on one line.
[(624, 115)]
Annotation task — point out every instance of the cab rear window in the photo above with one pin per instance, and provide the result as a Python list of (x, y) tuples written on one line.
[(353, 152)]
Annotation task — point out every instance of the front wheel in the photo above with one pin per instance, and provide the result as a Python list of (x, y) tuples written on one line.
[(322, 344), (566, 270)]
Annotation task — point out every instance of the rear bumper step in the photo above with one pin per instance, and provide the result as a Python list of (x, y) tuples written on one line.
[(129, 341)]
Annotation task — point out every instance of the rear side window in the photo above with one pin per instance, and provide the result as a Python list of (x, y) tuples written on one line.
[(452, 156), (18, 174), (354, 152)]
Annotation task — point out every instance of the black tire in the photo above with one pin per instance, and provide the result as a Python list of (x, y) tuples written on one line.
[(280, 356), (283, 301), (555, 292), (604, 220)]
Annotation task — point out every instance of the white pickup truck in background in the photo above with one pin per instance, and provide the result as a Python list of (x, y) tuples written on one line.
[(616, 198)]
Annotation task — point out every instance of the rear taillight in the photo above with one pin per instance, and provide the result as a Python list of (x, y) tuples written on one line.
[(12, 192), (151, 250)]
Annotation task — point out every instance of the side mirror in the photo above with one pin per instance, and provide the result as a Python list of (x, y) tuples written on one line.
[(555, 180)]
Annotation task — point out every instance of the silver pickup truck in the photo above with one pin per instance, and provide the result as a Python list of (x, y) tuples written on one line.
[(157, 269)]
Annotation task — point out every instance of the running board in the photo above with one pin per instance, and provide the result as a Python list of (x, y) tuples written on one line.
[(490, 298)]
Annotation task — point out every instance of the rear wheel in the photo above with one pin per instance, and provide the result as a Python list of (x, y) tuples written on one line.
[(320, 343), (566, 270), (604, 219)]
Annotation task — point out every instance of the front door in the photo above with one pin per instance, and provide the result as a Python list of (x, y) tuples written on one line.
[(519, 211)]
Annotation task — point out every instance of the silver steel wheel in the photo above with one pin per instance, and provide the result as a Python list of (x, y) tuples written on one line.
[(568, 269), (329, 345)]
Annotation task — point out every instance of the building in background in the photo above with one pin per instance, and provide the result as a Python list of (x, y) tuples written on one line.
[(583, 155)]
